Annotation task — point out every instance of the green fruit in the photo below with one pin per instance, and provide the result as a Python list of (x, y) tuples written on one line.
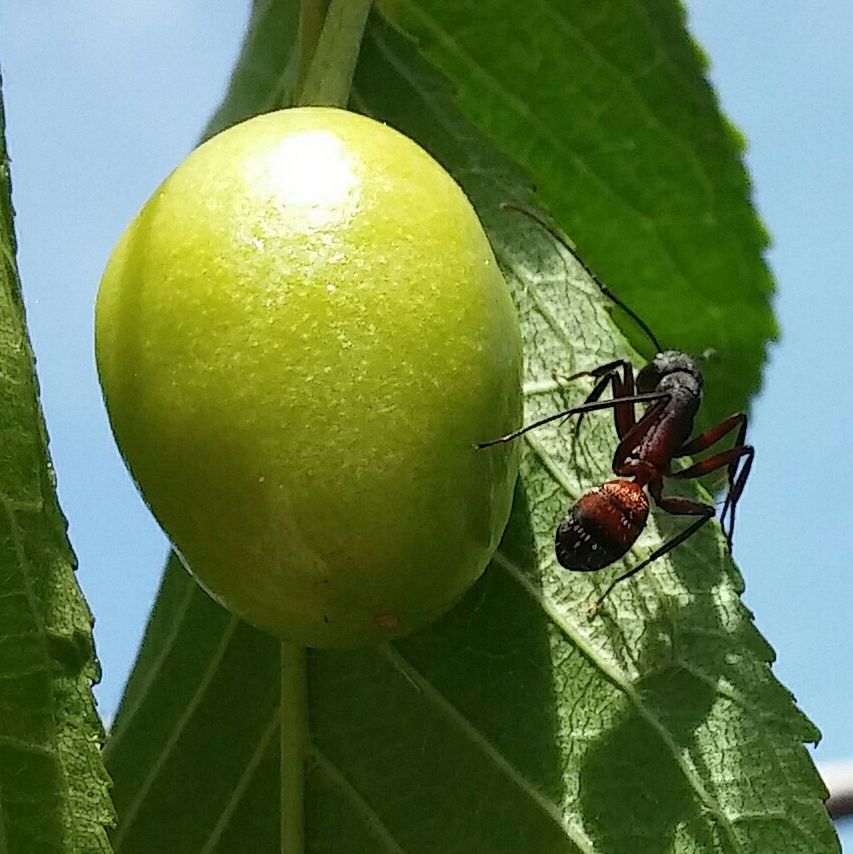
[(300, 338)]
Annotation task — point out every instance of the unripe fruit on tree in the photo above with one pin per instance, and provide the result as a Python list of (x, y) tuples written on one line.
[(300, 338)]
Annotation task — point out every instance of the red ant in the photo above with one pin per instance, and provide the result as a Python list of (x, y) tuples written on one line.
[(607, 520)]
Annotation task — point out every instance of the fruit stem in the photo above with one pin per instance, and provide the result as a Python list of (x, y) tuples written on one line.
[(312, 15), (293, 712), (328, 77)]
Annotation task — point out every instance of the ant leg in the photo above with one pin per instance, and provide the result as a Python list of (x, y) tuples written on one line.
[(606, 369), (730, 459), (711, 437), (678, 507), (733, 495), (595, 394), (608, 374), (624, 415), (576, 410), (714, 434), (623, 388), (605, 374)]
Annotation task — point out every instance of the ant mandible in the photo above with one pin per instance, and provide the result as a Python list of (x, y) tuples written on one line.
[(607, 520)]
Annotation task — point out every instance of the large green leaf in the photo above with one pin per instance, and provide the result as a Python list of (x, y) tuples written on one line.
[(515, 724), (607, 107), (53, 787)]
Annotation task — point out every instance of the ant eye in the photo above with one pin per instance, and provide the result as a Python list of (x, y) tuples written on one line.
[(647, 378)]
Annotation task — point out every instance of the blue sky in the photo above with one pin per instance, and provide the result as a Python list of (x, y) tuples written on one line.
[(104, 99)]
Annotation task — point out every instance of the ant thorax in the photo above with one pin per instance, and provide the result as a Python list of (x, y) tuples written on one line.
[(683, 387)]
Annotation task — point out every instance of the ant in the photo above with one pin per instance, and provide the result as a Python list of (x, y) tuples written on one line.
[(606, 520)]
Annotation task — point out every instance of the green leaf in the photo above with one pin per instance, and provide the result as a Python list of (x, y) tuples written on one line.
[(607, 108), (266, 72), (53, 787), (515, 724)]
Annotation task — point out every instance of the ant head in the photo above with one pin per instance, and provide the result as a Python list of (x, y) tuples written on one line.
[(668, 362)]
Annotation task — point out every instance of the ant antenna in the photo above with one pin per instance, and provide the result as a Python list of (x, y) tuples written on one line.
[(563, 241)]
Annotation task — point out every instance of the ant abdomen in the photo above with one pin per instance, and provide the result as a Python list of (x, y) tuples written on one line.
[(602, 526)]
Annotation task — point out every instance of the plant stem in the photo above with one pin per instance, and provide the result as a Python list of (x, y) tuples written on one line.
[(328, 78), (294, 734)]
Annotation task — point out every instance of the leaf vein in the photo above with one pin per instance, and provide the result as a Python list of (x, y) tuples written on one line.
[(27, 746), (4, 845), (129, 815), (365, 811), (154, 671), (429, 690), (242, 784)]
